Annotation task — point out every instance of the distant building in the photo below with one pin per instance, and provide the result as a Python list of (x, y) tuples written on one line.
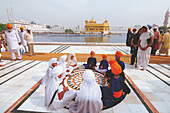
[(92, 27), (34, 27), (166, 18)]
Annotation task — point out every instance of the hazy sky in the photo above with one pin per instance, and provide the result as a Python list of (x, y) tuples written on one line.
[(75, 12)]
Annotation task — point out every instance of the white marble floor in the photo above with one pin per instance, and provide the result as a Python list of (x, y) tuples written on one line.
[(14, 88), (157, 91)]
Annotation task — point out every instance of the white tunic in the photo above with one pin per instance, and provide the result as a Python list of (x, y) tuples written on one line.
[(12, 39), (21, 34), (29, 38), (144, 56), (143, 38)]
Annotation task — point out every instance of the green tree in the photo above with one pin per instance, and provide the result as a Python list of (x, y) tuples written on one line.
[(163, 28), (48, 26), (69, 31), (2, 27)]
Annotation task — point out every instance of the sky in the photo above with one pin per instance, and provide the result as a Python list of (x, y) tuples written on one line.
[(74, 12)]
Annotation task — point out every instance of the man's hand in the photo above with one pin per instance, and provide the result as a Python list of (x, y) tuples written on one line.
[(65, 89)]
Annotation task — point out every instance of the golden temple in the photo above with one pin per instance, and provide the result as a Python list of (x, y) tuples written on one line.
[(91, 26)]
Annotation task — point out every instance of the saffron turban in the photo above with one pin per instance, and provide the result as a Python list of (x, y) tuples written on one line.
[(115, 67), (9, 26), (129, 29), (119, 54), (105, 56), (21, 27), (92, 53)]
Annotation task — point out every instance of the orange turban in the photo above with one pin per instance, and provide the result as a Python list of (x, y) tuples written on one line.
[(9, 26), (92, 53), (129, 29), (104, 55), (21, 27), (115, 67), (119, 54)]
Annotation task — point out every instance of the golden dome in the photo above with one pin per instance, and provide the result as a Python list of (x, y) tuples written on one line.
[(92, 20), (106, 21), (86, 21)]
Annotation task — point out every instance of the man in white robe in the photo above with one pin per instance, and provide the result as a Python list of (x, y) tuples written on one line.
[(52, 64), (13, 41), (72, 61), (62, 62), (24, 42), (58, 96), (88, 98), (144, 50)]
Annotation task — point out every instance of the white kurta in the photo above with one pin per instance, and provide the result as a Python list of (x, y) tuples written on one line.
[(144, 56), (47, 76), (52, 84), (29, 38), (12, 39), (58, 104), (21, 34)]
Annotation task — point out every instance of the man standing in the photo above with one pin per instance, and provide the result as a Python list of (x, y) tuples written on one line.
[(29, 38), (156, 38), (13, 41), (144, 48), (24, 42)]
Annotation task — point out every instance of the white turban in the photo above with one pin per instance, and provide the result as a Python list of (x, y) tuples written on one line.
[(51, 61), (72, 54), (62, 59), (58, 70)]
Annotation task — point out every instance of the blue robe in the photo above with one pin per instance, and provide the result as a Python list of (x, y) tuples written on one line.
[(105, 64), (91, 61), (108, 93)]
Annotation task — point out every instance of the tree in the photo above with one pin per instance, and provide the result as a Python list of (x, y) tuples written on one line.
[(163, 28), (48, 26), (2, 27), (69, 31)]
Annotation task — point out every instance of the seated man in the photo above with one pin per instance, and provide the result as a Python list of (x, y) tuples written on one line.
[(91, 62), (88, 98), (117, 57), (72, 61), (57, 96), (113, 93), (103, 67)]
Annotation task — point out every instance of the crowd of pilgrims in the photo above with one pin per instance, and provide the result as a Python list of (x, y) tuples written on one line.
[(91, 98), (145, 42)]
